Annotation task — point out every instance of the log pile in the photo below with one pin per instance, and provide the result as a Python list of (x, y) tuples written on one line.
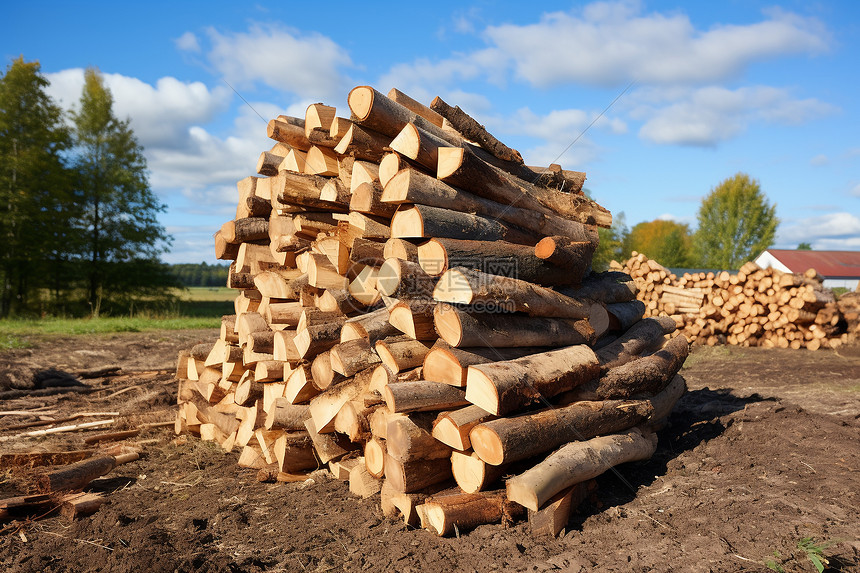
[(415, 309), (753, 307)]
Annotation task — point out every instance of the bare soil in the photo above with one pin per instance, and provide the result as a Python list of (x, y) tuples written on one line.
[(762, 453)]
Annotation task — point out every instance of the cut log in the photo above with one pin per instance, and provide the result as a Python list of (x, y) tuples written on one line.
[(78, 475), (368, 199), (324, 407), (647, 334), (289, 130), (372, 327), (284, 346), (323, 274), (33, 459), (372, 109), (400, 249), (367, 252), (422, 396), (463, 168), (294, 452), (409, 438), (349, 358), (647, 375), (473, 474), (363, 143), (286, 416), (328, 446), (623, 315), (416, 107), (452, 428), (246, 230), (554, 515), (78, 505), (340, 469), (399, 354), (374, 456), (608, 287), (418, 145), (306, 190), (665, 401), (369, 227), (565, 252), (271, 370), (474, 131), (362, 289), (506, 386), (467, 286), (268, 163), (353, 421), (497, 258), (301, 386), (362, 482), (510, 440), (575, 463), (462, 329), (399, 278), (322, 371), (416, 475), (415, 318), (465, 511), (418, 221), (318, 338)]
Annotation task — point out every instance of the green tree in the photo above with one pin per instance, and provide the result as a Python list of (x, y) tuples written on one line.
[(736, 222), (120, 236), (611, 245), (667, 242), (804, 247), (36, 202)]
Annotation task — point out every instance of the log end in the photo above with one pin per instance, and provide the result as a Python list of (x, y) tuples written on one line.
[(360, 101)]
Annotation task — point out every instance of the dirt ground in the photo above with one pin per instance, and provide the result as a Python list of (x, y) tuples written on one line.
[(760, 463)]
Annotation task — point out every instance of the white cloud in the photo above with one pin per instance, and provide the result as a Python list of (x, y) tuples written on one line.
[(819, 160), (709, 115), (855, 191), (160, 114), (188, 42), (834, 231), (306, 64), (421, 78), (610, 43)]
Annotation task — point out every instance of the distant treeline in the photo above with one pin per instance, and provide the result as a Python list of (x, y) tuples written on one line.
[(200, 274)]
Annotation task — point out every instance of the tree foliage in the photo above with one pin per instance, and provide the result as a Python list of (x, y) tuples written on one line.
[(200, 274), (667, 242), (804, 247), (611, 245), (119, 230), (736, 223), (35, 187)]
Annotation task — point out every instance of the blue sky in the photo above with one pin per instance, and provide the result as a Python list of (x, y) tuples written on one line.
[(770, 89)]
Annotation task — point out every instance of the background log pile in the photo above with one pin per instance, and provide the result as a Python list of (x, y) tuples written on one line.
[(754, 307), (415, 309)]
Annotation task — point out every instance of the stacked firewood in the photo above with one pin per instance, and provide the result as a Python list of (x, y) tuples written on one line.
[(753, 307), (415, 309)]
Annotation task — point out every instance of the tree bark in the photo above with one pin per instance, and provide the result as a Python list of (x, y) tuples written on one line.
[(286, 416), (575, 463), (413, 476), (409, 438), (417, 221), (507, 386), (508, 440), (465, 511), (349, 358), (400, 354), (474, 131), (452, 428), (422, 396), (647, 375), (645, 335)]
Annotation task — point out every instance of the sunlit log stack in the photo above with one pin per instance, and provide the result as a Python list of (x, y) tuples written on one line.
[(753, 307), (415, 309)]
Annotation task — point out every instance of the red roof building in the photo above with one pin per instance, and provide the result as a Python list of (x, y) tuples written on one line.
[(839, 268)]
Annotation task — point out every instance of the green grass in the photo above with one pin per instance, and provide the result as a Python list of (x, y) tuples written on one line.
[(197, 307)]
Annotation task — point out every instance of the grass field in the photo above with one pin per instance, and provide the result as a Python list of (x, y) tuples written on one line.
[(197, 307)]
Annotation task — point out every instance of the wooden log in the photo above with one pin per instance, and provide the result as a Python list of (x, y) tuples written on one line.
[(374, 456), (607, 287), (353, 420), (400, 249), (372, 327), (399, 278), (370, 227), (324, 407), (416, 107), (368, 199), (497, 258), (284, 346), (268, 163), (575, 463), (300, 386), (363, 143), (328, 446), (349, 358), (418, 221), (463, 329), (508, 440), (402, 354), (414, 318), (467, 286), (340, 468), (33, 459), (295, 452), (473, 474), (554, 515), (289, 130), (648, 375), (416, 475), (506, 386), (77, 505), (663, 403), (246, 230), (565, 252), (474, 131), (623, 315), (225, 251), (462, 168), (78, 475), (452, 428), (412, 186), (307, 190), (318, 338), (409, 438), (465, 511), (421, 396), (645, 335), (322, 371), (284, 415), (367, 252), (418, 145), (362, 482)]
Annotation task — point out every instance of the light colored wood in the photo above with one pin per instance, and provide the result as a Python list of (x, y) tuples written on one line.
[(400, 278), (374, 457), (284, 349), (416, 107), (472, 474), (328, 446), (400, 249), (289, 130), (367, 198), (294, 452), (300, 385), (409, 437), (508, 440), (575, 463), (324, 407), (506, 386), (284, 415), (465, 511), (362, 483), (363, 144), (372, 326), (421, 395), (349, 358), (415, 318), (452, 428), (416, 475), (422, 221), (399, 354), (321, 161), (554, 515), (82, 504)]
